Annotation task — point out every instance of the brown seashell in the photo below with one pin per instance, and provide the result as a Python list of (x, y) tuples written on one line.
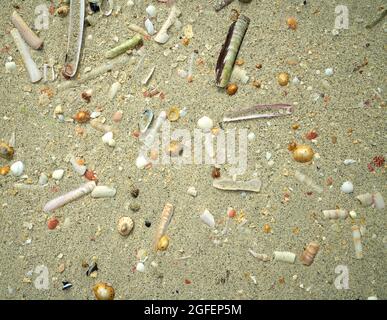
[(90, 175), (63, 11), (6, 151), (231, 89), (303, 153), (82, 117), (307, 257), (125, 226), (283, 79), (103, 291), (117, 116), (67, 71)]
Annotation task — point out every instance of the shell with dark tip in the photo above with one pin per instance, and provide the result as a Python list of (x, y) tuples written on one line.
[(146, 120), (6, 151)]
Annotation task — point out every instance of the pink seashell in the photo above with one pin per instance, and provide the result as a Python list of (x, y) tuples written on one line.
[(117, 117)]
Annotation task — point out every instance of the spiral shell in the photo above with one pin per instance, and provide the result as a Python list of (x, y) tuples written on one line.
[(303, 153), (309, 254), (103, 291), (6, 151), (173, 114), (125, 226)]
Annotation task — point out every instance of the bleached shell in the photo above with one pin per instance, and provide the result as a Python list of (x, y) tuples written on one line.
[(162, 38), (10, 66), (149, 27), (141, 162), (205, 123), (192, 191), (58, 174), (208, 218), (347, 187), (115, 87), (140, 267), (365, 199), (79, 169), (17, 168), (284, 256), (103, 192), (151, 11), (146, 120), (378, 200), (349, 161), (329, 72), (125, 226), (107, 137), (43, 179), (335, 214)]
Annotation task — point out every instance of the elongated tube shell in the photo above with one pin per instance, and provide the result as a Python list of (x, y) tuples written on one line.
[(69, 197), (307, 257), (162, 36), (165, 219), (28, 35), (356, 235), (32, 69), (260, 256), (284, 256), (307, 181), (335, 214), (125, 46)]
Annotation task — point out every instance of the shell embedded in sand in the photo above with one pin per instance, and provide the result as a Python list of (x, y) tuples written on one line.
[(125, 226), (163, 243), (103, 291), (303, 153)]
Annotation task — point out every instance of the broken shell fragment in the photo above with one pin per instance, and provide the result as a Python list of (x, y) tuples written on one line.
[(125, 226), (79, 169), (309, 253), (192, 191), (6, 151), (103, 192), (347, 187), (208, 218), (151, 11), (335, 214), (303, 153), (378, 200), (163, 243), (253, 185), (28, 35), (146, 120), (58, 174), (173, 114), (284, 256), (103, 291)]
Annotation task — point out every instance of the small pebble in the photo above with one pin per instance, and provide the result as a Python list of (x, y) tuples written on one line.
[(347, 187), (151, 11), (140, 267), (17, 168), (43, 179), (52, 223), (10, 66), (58, 174), (251, 136), (329, 72)]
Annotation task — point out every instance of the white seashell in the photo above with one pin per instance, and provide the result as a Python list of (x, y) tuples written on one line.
[(251, 136), (107, 137), (349, 161), (149, 27), (140, 267), (95, 114), (192, 191), (335, 214), (378, 200), (151, 11), (205, 123), (10, 66), (329, 72), (347, 187), (43, 179), (112, 143), (58, 174), (79, 169), (141, 162), (103, 192), (239, 74), (296, 81), (162, 38), (284, 256), (365, 199), (352, 214), (115, 87), (208, 218), (17, 168), (130, 3)]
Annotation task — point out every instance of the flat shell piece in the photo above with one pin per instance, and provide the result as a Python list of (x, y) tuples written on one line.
[(253, 185), (146, 120)]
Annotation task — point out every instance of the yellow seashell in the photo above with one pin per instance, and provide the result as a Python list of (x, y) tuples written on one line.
[(4, 170), (173, 114), (283, 79), (175, 148), (103, 291), (303, 153), (163, 243)]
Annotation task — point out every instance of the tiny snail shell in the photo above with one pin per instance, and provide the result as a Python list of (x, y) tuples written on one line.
[(163, 243), (283, 79), (125, 226), (310, 252), (6, 151), (82, 117), (103, 291), (63, 11), (173, 114), (303, 153)]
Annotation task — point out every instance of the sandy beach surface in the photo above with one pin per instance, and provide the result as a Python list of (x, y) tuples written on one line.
[(346, 109)]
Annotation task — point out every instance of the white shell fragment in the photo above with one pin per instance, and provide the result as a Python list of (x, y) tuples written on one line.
[(260, 256), (253, 185), (107, 138), (10, 66), (43, 179), (284, 256), (239, 74), (149, 27), (79, 169), (140, 267), (17, 168), (103, 192), (365, 199), (192, 191), (151, 11), (251, 136), (329, 72), (115, 87), (378, 200), (347, 162), (308, 182), (58, 174), (205, 123), (208, 218), (347, 187), (141, 162), (352, 214), (335, 214), (148, 76), (357, 242)]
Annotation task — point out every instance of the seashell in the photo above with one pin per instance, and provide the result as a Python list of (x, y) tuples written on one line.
[(260, 256), (303, 153), (86, 95), (107, 138), (140, 267), (308, 181), (175, 148), (163, 243), (103, 291), (134, 207), (116, 86), (52, 223), (146, 120), (192, 191), (239, 75), (82, 117), (90, 175), (79, 169), (107, 7), (134, 192), (6, 151), (352, 214), (283, 79), (205, 123), (208, 218), (329, 72), (92, 269), (284, 256), (149, 27), (63, 11), (292, 23), (141, 162), (17, 168), (347, 187), (378, 200), (117, 117), (148, 76), (103, 192), (151, 11), (253, 185), (165, 220), (10, 66), (347, 162), (4, 170), (58, 174), (125, 226), (335, 214), (231, 89), (173, 114), (309, 253), (365, 199), (357, 242)]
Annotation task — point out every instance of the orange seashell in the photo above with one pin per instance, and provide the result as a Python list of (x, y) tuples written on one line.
[(90, 175), (215, 173), (52, 223), (292, 145), (283, 79), (103, 291), (303, 153), (307, 257), (311, 135), (82, 116), (4, 170), (292, 23), (231, 89)]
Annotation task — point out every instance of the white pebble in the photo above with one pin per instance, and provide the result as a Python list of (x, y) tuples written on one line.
[(205, 123), (95, 114), (151, 11), (347, 187), (268, 156), (17, 168), (58, 174), (149, 27), (103, 192), (251, 136), (140, 267), (43, 179), (352, 214), (10, 66), (192, 191), (347, 162), (296, 81), (329, 72), (141, 162), (107, 137), (208, 218)]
